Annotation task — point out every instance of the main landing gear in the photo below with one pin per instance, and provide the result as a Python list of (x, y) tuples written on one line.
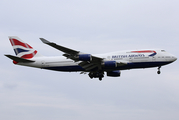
[(158, 72), (99, 75)]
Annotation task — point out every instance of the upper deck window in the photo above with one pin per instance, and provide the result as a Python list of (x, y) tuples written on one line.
[(162, 50)]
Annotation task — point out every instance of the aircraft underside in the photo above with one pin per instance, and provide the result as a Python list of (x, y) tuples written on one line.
[(125, 67)]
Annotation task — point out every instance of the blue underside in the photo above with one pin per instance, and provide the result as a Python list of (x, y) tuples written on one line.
[(128, 66)]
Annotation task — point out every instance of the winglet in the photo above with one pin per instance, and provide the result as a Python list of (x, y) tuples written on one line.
[(59, 47), (44, 40)]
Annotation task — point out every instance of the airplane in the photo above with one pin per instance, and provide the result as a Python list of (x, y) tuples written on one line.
[(95, 65)]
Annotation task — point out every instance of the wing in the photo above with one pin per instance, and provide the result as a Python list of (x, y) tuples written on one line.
[(87, 61), (70, 53)]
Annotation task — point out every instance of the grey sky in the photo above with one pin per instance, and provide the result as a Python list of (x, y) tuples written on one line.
[(94, 26)]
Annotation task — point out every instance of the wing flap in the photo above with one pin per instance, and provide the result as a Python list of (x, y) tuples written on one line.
[(121, 63)]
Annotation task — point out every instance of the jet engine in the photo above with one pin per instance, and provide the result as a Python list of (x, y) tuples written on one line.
[(84, 57), (110, 64), (115, 73)]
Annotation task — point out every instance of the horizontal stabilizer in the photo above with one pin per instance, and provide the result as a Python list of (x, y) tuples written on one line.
[(18, 59)]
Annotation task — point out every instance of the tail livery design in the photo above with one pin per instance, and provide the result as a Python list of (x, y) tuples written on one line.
[(23, 51), (21, 48)]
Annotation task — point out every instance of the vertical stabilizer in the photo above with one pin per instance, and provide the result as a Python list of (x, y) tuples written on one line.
[(22, 49)]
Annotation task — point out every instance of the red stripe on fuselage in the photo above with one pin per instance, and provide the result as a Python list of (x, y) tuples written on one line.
[(17, 42), (143, 51)]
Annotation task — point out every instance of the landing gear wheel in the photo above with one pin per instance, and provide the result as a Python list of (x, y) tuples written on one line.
[(101, 75), (158, 72), (98, 74), (91, 75)]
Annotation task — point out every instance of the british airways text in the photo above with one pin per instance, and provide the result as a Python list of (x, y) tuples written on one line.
[(125, 56)]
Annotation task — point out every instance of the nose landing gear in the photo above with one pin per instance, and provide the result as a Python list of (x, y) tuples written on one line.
[(158, 72)]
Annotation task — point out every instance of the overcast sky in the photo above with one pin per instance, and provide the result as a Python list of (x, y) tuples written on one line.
[(91, 26)]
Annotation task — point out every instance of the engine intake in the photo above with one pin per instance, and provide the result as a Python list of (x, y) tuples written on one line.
[(85, 57), (115, 73)]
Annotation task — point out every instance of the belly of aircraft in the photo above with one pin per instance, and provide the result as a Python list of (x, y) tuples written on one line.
[(73, 68)]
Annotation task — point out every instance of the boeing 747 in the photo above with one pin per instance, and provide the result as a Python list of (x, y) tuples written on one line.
[(95, 65)]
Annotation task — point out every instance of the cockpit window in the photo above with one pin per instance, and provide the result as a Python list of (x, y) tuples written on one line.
[(162, 50)]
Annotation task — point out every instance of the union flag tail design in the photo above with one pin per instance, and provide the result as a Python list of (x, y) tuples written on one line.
[(22, 49)]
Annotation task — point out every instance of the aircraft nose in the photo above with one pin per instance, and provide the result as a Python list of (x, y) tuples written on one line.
[(174, 58)]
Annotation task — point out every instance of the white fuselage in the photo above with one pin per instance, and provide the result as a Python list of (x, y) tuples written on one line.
[(133, 59)]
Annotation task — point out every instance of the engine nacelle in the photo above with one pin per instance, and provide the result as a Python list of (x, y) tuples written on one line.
[(85, 57), (110, 64), (115, 73)]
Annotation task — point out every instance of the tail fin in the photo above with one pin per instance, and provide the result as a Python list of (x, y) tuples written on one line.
[(22, 49)]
